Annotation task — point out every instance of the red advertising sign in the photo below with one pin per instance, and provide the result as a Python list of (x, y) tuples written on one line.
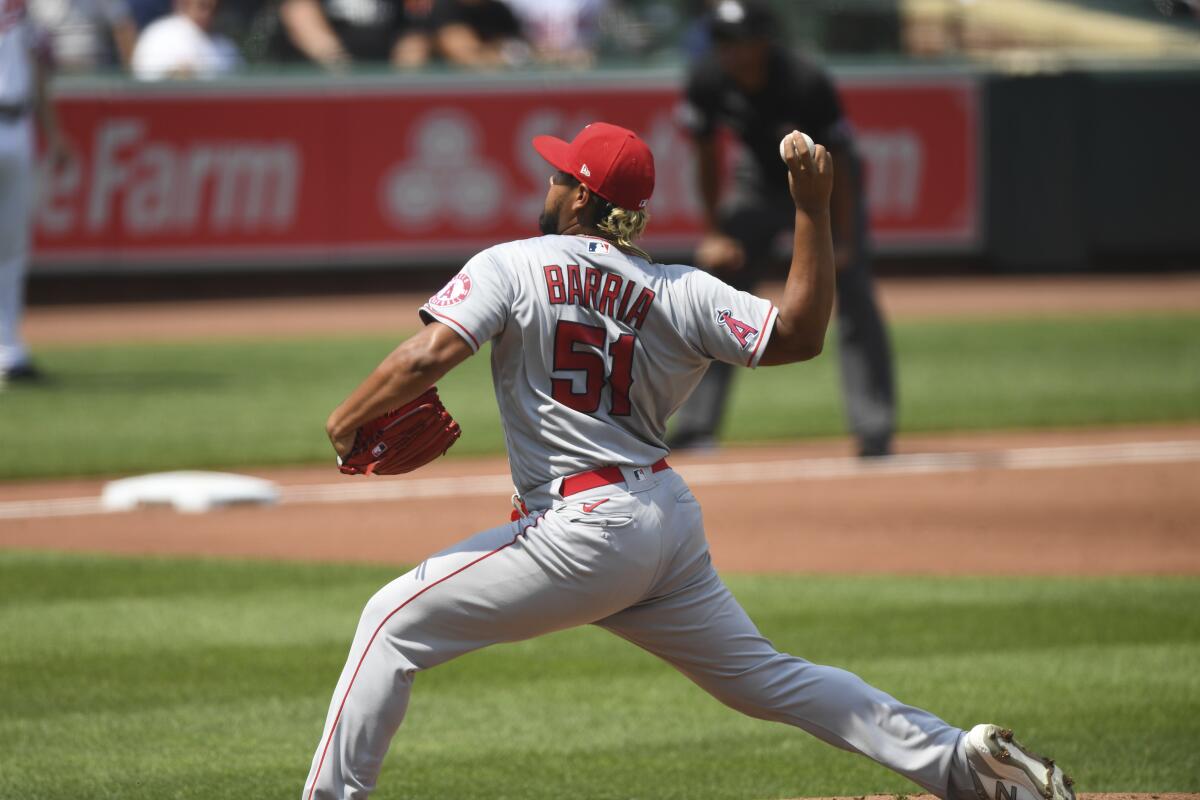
[(280, 174), (920, 140)]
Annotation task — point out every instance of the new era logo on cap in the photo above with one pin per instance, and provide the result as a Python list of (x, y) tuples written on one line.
[(610, 160)]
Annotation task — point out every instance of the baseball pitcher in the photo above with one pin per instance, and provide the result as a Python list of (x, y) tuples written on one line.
[(593, 347)]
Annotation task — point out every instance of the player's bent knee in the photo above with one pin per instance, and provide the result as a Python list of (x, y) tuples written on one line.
[(378, 609), (414, 632), (383, 616)]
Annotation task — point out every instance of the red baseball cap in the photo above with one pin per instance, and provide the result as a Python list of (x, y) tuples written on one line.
[(608, 159)]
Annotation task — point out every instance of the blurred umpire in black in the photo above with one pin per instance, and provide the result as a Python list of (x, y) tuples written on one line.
[(750, 84)]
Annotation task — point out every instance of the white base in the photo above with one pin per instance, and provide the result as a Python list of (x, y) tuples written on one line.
[(187, 492)]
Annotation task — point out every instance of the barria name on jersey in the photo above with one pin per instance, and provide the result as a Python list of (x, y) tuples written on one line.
[(606, 292)]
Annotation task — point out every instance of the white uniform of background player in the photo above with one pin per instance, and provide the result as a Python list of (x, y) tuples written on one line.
[(22, 96), (593, 348)]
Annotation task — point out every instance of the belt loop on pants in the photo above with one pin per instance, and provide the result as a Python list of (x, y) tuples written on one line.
[(602, 476)]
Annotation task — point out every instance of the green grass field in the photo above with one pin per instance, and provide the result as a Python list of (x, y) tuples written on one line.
[(125, 679), (144, 407)]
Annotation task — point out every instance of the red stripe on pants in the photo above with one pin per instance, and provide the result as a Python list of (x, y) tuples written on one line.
[(367, 649)]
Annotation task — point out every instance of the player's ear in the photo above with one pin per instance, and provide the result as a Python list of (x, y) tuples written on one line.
[(580, 198)]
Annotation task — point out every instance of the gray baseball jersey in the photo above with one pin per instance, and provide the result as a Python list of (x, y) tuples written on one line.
[(593, 349)]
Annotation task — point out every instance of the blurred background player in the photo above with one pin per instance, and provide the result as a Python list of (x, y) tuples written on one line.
[(183, 45), (24, 78), (750, 84)]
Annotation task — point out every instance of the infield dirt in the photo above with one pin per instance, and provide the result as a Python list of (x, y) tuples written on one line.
[(1126, 518)]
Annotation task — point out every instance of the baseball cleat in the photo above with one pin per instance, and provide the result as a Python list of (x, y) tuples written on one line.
[(1002, 769)]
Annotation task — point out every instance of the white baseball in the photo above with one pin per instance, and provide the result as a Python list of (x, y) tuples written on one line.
[(783, 145)]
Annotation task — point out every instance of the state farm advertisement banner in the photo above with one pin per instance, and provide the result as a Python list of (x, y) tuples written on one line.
[(264, 176)]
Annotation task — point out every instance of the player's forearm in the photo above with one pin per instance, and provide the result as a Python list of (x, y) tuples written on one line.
[(407, 372), (807, 303), (395, 382)]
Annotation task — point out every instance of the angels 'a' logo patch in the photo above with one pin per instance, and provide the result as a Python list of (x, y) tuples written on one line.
[(454, 293), (743, 333)]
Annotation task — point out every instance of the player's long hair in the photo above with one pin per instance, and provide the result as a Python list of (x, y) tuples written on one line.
[(624, 226)]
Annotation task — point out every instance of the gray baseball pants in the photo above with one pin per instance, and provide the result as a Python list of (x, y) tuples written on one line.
[(636, 564)]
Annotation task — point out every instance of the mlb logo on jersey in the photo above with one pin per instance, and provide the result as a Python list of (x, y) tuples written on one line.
[(598, 247), (743, 333)]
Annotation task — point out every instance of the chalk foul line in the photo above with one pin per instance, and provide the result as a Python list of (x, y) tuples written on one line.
[(699, 474)]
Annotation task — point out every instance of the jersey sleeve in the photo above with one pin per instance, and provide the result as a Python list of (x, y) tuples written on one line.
[(476, 303), (726, 324)]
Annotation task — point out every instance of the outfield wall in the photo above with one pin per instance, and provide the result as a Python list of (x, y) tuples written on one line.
[(402, 170), (1089, 166), (398, 171)]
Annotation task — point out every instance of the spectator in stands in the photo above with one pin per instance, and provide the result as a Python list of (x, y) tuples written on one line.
[(467, 33), (563, 32), (636, 29), (184, 46), (86, 35), (334, 33)]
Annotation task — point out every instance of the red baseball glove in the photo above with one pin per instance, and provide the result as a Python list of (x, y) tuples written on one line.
[(402, 440)]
